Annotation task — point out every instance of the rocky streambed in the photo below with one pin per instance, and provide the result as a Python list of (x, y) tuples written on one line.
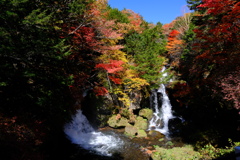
[(126, 137), (142, 143), (152, 146)]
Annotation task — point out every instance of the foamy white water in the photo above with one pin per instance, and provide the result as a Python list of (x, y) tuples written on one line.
[(80, 132), (162, 114)]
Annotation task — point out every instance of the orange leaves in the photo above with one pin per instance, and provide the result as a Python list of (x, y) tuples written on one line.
[(173, 41), (168, 27), (173, 35), (174, 47)]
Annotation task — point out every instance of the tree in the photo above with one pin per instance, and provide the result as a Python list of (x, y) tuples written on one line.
[(192, 4), (32, 58), (182, 23), (147, 49), (174, 47), (34, 68), (221, 34)]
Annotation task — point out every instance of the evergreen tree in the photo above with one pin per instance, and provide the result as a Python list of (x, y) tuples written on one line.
[(192, 4), (147, 49), (33, 69)]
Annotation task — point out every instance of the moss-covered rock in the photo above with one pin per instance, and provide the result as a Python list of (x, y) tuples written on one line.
[(141, 133), (146, 113), (141, 123), (155, 134), (131, 131), (117, 122), (132, 118)]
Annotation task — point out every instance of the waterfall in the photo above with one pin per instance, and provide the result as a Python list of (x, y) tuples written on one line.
[(162, 114), (79, 131)]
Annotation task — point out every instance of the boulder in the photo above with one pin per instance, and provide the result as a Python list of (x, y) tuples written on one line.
[(117, 122), (141, 123), (155, 134), (132, 119), (136, 98), (141, 133), (131, 130), (123, 122), (146, 113)]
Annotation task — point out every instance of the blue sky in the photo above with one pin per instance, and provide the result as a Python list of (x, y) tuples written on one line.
[(154, 11)]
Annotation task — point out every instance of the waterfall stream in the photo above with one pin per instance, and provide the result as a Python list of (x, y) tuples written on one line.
[(80, 132), (162, 113)]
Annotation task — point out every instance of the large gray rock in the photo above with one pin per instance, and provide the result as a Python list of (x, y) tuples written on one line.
[(146, 113)]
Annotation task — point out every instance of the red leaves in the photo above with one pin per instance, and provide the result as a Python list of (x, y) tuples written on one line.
[(182, 89), (115, 80), (112, 67), (100, 91), (173, 34), (219, 34), (230, 86), (84, 36)]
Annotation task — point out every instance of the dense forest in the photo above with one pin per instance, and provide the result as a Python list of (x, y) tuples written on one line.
[(59, 56)]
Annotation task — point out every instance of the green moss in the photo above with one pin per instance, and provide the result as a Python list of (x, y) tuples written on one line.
[(115, 122), (130, 131), (146, 113), (176, 153), (141, 123), (141, 133)]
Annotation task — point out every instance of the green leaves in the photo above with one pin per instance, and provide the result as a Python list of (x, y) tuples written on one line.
[(147, 49), (38, 17), (115, 14)]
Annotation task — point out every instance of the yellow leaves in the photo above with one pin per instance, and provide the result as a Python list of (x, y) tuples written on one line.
[(135, 84), (122, 96), (129, 85)]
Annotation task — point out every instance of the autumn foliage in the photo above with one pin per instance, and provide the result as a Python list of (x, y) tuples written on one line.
[(220, 37), (174, 47), (230, 87), (173, 41)]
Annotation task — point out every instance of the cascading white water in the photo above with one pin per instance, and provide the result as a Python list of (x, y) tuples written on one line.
[(80, 132), (160, 119)]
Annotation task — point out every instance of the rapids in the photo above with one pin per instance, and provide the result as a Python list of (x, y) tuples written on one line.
[(79, 131)]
